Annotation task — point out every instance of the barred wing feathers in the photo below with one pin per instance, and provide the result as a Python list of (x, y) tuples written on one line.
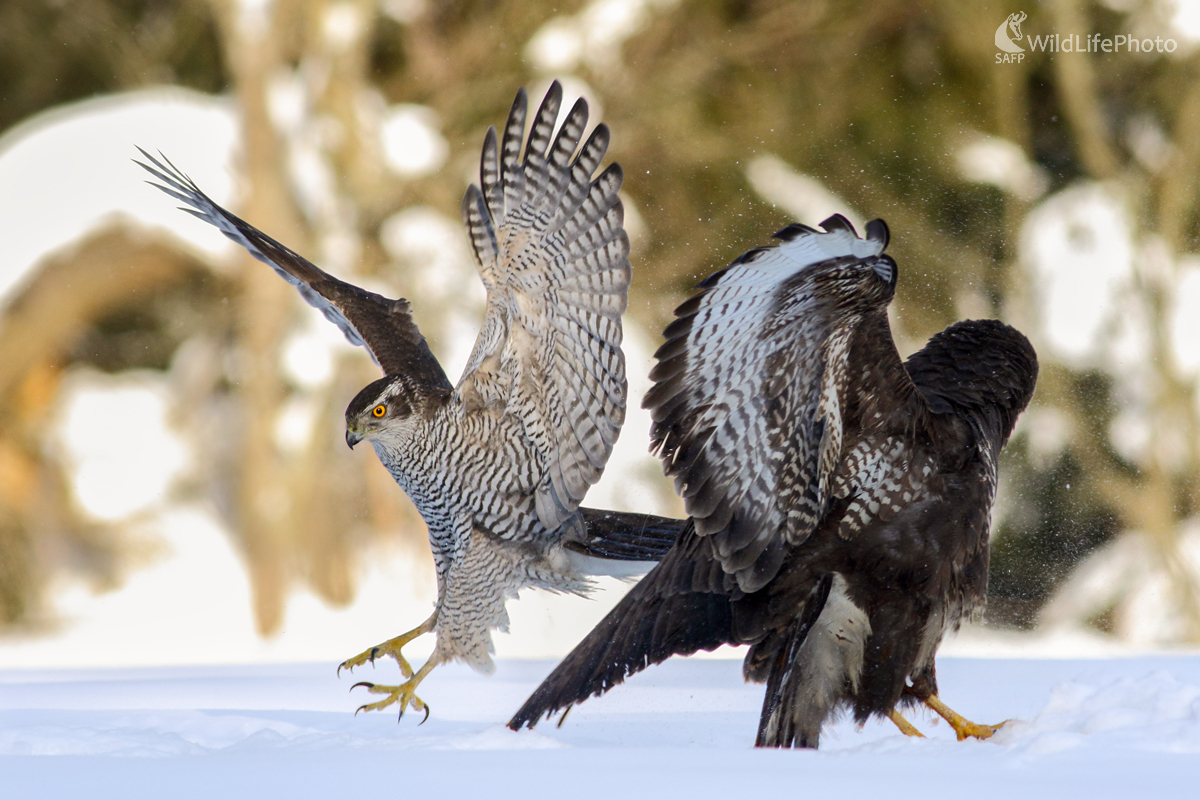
[(758, 405), (899, 479), (749, 389), (384, 327), (554, 257)]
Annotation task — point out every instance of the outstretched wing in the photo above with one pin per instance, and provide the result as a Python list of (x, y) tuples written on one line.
[(554, 257), (750, 386), (385, 327), (758, 391)]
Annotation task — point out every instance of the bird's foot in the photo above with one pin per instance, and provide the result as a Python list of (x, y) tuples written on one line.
[(963, 727), (391, 647), (906, 727), (405, 694)]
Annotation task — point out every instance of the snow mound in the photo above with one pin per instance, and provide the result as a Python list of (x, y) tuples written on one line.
[(1154, 712), (1106, 728)]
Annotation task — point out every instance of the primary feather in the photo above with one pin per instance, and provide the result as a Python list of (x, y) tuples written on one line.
[(498, 464), (840, 499)]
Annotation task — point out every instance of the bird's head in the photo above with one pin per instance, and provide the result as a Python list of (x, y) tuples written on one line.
[(977, 365), (385, 412)]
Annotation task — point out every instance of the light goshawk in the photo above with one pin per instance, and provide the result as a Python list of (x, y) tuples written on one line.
[(497, 465)]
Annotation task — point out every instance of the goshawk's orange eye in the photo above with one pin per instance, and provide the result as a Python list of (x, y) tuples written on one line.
[(379, 410)]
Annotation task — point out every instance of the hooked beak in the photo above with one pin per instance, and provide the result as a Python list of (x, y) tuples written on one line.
[(353, 438)]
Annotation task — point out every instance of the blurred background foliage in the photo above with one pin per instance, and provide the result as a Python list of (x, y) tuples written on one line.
[(731, 118)]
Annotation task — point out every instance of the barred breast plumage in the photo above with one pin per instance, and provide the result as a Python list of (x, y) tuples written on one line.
[(498, 464)]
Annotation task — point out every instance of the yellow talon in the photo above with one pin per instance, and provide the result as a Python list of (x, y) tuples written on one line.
[(963, 727), (405, 694), (906, 727), (391, 648)]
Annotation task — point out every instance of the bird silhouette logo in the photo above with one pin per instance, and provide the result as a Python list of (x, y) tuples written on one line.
[(1003, 40)]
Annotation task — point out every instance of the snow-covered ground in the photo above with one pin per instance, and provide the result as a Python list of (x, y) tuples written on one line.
[(1099, 728)]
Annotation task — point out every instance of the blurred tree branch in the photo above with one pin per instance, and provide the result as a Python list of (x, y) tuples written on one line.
[(1077, 84), (873, 100), (39, 522)]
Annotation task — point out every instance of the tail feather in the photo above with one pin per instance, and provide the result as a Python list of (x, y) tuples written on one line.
[(665, 614), (623, 536), (818, 670), (777, 727)]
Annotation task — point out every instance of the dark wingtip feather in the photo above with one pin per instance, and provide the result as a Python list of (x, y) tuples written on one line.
[(543, 122), (624, 536), (580, 107), (614, 173), (599, 138), (744, 258), (658, 393), (877, 231), (709, 282), (490, 143), (520, 102), (838, 223), (684, 314), (791, 232), (168, 173)]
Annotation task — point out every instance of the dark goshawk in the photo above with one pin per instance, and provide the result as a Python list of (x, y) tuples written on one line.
[(497, 464), (840, 498)]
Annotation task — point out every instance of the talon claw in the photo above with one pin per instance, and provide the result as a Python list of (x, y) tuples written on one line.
[(962, 726), (405, 694)]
